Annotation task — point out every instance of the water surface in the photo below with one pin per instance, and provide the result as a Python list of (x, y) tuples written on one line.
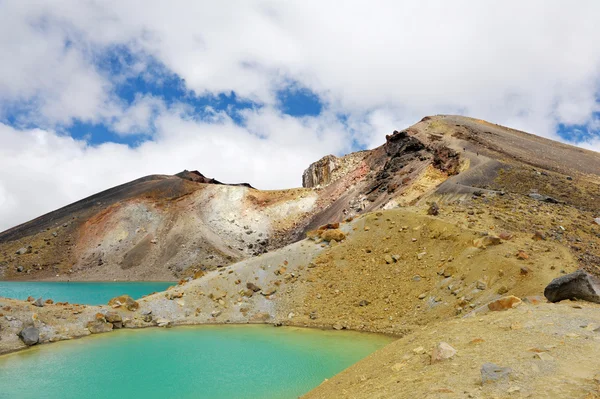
[(216, 362), (89, 293)]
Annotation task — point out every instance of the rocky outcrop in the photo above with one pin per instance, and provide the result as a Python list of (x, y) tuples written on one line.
[(578, 285), (320, 173)]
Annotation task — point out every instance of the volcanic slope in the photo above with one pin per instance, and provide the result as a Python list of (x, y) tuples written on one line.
[(172, 227)]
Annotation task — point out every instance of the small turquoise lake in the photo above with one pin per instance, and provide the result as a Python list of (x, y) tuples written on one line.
[(89, 293), (212, 362)]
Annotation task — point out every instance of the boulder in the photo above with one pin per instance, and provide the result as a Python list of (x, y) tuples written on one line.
[(491, 372), (124, 301), (487, 241), (39, 302), (30, 335), (113, 317), (333, 235), (442, 351), (99, 324), (578, 285), (505, 303), (544, 198)]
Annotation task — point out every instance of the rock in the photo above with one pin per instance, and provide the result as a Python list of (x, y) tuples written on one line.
[(49, 301), (215, 313), (442, 351), (578, 285), (170, 295), (39, 302), (388, 259), (313, 315), (147, 318), (338, 326), (487, 241), (30, 335), (333, 235), (320, 173), (480, 285), (97, 326), (505, 303), (539, 236), (161, 322), (23, 250), (434, 209), (522, 255), (597, 220), (543, 198), (269, 292), (502, 290), (253, 287), (113, 317), (19, 269), (124, 301), (363, 302), (398, 366), (491, 372), (422, 296)]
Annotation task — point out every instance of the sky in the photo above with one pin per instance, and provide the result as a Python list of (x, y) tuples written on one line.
[(98, 93)]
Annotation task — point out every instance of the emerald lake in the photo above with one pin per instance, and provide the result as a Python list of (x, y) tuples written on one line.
[(216, 362), (89, 293)]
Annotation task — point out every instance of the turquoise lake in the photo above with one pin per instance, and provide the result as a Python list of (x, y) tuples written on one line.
[(89, 293), (216, 362)]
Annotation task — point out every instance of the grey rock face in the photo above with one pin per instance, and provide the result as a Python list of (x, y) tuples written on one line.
[(30, 336), (578, 285)]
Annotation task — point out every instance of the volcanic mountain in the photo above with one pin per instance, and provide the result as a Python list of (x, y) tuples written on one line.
[(169, 227)]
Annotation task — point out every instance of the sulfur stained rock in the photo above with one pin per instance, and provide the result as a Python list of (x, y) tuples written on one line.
[(505, 303), (124, 301)]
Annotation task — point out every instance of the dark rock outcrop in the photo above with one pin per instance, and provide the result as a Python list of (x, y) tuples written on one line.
[(578, 285)]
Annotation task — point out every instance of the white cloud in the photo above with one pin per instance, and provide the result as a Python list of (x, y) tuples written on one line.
[(41, 170), (384, 65)]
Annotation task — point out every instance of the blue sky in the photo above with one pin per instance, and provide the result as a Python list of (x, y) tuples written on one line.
[(97, 94)]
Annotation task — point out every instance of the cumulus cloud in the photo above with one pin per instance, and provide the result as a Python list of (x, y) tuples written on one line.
[(42, 170), (381, 66)]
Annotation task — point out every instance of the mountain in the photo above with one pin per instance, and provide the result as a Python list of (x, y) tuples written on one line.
[(170, 227), (448, 237)]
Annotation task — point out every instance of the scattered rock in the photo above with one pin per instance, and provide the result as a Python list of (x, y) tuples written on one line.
[(333, 235), (539, 236), (486, 241), (522, 255), (30, 335), (161, 322), (253, 287), (544, 198), (124, 301), (502, 290), (338, 326), (269, 292), (434, 209), (388, 259), (313, 315), (480, 285), (578, 285), (363, 302), (505, 303), (491, 372), (99, 325), (24, 250), (39, 302), (422, 296), (113, 317), (442, 351), (215, 313)]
